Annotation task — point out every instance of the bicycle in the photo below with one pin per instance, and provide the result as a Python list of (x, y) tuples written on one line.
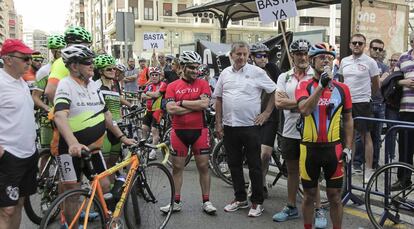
[(141, 190), (382, 204)]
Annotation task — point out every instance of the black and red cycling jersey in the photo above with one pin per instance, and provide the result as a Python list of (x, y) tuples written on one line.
[(180, 90)]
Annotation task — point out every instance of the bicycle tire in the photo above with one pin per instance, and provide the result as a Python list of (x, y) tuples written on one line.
[(151, 196), (48, 220), (391, 202), (47, 189), (219, 161)]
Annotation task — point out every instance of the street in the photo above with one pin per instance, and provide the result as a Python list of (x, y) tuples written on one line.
[(193, 217)]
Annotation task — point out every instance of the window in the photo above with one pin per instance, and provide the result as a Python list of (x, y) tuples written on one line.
[(202, 36), (233, 37), (148, 10), (181, 7), (167, 9), (306, 21), (133, 7), (314, 21)]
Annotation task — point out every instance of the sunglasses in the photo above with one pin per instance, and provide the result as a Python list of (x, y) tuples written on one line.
[(86, 62), (261, 55), (392, 60), (110, 69), (376, 49), (360, 43), (325, 57), (24, 58), (161, 57), (38, 60), (155, 74), (191, 67)]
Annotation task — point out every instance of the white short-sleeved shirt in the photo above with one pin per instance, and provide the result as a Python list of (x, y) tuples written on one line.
[(357, 74), (240, 92), (287, 83), (17, 122)]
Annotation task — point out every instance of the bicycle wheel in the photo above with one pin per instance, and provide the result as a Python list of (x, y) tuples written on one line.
[(152, 188), (385, 207), (219, 161), (60, 207), (37, 204)]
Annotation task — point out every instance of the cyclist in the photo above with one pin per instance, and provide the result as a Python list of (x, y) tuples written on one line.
[(30, 75), (81, 116), (268, 119), (105, 75), (73, 35), (153, 94), (187, 98), (324, 104)]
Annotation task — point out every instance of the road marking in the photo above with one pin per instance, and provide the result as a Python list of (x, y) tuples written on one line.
[(361, 214)]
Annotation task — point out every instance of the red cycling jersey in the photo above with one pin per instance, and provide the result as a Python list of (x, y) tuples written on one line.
[(152, 104), (180, 90)]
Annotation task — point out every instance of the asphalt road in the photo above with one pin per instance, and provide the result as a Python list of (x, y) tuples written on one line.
[(193, 217)]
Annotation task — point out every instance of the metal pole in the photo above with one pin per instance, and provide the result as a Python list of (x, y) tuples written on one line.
[(126, 37), (171, 43), (346, 14), (102, 28)]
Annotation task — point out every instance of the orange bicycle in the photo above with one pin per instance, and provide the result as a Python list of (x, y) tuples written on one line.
[(147, 187)]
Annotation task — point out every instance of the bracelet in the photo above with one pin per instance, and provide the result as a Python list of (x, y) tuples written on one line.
[(119, 138)]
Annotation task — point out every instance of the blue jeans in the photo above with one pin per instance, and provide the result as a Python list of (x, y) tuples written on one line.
[(391, 114)]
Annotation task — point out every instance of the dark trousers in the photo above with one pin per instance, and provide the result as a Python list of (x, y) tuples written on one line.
[(406, 147), (391, 114), (241, 143)]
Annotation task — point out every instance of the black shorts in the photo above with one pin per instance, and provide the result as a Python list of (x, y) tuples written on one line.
[(149, 120), (362, 110), (268, 133), (290, 148), (327, 157), (17, 178)]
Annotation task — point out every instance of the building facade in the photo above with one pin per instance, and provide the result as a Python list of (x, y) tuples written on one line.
[(11, 25)]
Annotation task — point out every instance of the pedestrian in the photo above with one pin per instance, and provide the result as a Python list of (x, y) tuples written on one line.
[(360, 73), (18, 161), (238, 98), (131, 75), (324, 104)]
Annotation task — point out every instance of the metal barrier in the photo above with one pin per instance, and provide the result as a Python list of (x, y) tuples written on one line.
[(348, 194)]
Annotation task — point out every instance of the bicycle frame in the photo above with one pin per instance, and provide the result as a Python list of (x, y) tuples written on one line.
[(133, 161)]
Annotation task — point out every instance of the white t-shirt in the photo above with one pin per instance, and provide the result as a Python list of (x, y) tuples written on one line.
[(357, 74), (17, 122), (287, 83), (241, 91)]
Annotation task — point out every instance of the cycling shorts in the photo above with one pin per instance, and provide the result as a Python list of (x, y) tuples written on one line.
[(290, 148), (268, 133), (71, 168), (325, 156), (111, 145), (182, 139), (150, 120)]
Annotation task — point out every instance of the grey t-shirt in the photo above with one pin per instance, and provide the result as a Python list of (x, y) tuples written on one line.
[(131, 86)]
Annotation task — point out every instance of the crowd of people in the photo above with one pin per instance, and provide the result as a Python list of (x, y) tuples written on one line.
[(318, 98)]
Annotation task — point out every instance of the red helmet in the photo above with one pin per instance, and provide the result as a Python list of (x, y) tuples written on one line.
[(154, 70)]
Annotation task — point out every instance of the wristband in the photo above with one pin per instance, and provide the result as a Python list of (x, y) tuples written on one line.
[(119, 138)]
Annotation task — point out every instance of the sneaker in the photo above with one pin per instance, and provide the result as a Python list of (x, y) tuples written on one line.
[(176, 208), (152, 155), (399, 186), (236, 205), (256, 210), (320, 218), (209, 208), (287, 213), (357, 169), (368, 175), (92, 216)]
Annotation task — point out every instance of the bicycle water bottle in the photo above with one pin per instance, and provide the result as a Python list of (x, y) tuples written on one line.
[(117, 188)]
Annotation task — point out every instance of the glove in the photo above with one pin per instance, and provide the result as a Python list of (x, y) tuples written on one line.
[(324, 79), (347, 155)]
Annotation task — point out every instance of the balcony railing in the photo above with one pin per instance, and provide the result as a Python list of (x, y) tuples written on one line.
[(180, 20)]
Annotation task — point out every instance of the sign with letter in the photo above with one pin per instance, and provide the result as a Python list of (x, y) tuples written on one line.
[(275, 10), (153, 40)]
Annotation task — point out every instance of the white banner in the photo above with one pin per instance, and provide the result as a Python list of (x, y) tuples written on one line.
[(275, 10), (153, 41)]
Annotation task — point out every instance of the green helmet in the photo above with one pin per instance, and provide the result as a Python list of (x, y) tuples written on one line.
[(103, 61), (77, 35), (56, 42)]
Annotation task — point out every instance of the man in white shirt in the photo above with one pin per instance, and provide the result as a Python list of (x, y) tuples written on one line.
[(361, 73), (238, 116), (18, 157)]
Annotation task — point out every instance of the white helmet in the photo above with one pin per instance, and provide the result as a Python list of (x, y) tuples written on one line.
[(121, 67), (190, 57), (76, 53)]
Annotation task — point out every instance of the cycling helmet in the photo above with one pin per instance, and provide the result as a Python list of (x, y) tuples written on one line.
[(259, 47), (77, 34), (322, 48), (169, 57), (154, 70), (203, 71), (190, 57), (121, 67), (56, 42), (300, 45), (103, 61), (76, 53), (37, 55)]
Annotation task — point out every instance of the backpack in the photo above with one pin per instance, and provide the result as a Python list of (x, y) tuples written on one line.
[(391, 91)]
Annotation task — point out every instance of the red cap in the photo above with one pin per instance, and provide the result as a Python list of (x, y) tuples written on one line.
[(14, 45)]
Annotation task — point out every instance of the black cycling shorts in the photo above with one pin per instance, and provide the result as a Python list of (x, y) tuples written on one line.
[(268, 133)]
